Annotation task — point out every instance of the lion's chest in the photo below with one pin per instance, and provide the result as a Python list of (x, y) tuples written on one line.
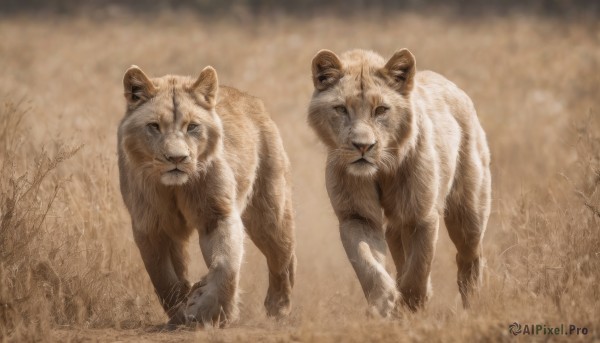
[(406, 196), (396, 198), (192, 208)]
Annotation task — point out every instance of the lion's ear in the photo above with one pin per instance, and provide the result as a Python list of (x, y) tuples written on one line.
[(326, 69), (400, 71), (207, 85), (137, 86)]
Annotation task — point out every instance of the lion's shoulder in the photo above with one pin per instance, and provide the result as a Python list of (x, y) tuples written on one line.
[(435, 93), (431, 80), (233, 101)]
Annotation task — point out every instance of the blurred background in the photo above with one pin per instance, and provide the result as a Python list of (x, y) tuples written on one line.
[(555, 8), (69, 269)]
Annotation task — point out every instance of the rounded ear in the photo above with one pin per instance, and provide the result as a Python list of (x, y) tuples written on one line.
[(326, 69), (207, 85), (400, 71), (137, 86)]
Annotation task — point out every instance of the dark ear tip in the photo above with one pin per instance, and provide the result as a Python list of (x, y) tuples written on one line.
[(324, 51), (133, 74), (405, 53), (325, 56)]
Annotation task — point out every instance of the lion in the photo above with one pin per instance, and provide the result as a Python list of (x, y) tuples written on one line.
[(405, 148), (194, 155)]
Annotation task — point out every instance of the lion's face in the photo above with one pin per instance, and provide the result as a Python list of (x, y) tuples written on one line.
[(171, 129), (361, 108)]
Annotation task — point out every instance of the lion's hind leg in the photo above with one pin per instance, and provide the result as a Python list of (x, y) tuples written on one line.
[(466, 215)]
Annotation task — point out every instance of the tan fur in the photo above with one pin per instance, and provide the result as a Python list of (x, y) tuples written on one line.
[(425, 157), (193, 155)]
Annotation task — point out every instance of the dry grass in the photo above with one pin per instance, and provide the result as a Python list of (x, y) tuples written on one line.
[(69, 268)]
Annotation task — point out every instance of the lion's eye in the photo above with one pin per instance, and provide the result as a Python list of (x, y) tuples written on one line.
[(341, 110), (381, 110), (154, 126), (192, 127)]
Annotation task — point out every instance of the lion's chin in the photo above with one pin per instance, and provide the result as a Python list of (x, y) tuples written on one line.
[(362, 169), (174, 178)]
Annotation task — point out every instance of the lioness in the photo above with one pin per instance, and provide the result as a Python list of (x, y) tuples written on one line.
[(404, 149), (193, 155)]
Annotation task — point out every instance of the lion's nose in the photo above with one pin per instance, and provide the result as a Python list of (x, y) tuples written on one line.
[(363, 147), (176, 158)]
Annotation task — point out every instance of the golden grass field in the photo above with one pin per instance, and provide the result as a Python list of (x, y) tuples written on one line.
[(70, 271)]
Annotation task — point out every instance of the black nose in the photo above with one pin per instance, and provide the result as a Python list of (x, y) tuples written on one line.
[(363, 147), (177, 158)]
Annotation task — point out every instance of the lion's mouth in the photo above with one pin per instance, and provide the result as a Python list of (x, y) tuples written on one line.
[(176, 171), (361, 160), (174, 177)]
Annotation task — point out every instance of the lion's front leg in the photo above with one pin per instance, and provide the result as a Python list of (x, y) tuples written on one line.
[(213, 300), (365, 246), (165, 264)]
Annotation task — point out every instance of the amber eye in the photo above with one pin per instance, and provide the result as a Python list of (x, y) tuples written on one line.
[(341, 110), (192, 127), (154, 126), (380, 110)]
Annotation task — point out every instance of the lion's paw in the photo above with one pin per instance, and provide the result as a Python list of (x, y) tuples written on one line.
[(202, 307), (278, 305), (383, 302), (177, 316)]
